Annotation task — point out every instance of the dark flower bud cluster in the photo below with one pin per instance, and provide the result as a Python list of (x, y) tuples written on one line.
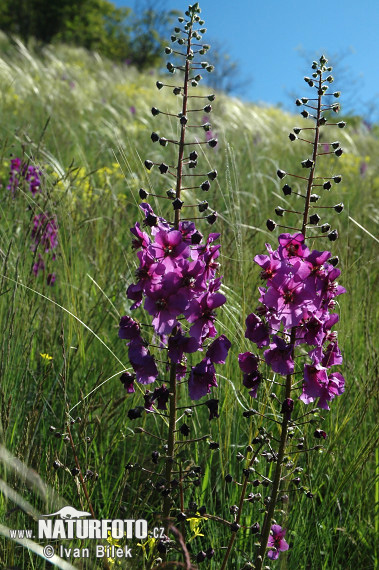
[(316, 110)]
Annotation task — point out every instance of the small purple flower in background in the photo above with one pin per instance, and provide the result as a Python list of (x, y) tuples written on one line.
[(363, 168), (44, 232), (39, 265), (276, 542), (132, 109), (22, 173)]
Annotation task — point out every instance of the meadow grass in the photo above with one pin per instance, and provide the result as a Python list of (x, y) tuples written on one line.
[(86, 123)]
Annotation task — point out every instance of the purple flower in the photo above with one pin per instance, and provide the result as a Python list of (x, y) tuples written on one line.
[(142, 239), (257, 331), (280, 356), (39, 265), (292, 246), (142, 362), (164, 301), (50, 279), (218, 351), (127, 380), (169, 248), (201, 312), (332, 355), (129, 328), (276, 542), (202, 378), (317, 384), (248, 363), (178, 344)]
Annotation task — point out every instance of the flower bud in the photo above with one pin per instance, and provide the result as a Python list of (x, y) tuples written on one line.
[(211, 97), (337, 179), (307, 163), (287, 190), (196, 238), (155, 111), (183, 120), (184, 430), (255, 528), (159, 84), (154, 137), (334, 261), (292, 137), (176, 90), (338, 208), (205, 185), (193, 155), (228, 478), (322, 121), (213, 142), (212, 175), (192, 164), (314, 197), (200, 556), (148, 164), (171, 193), (333, 235), (210, 553), (279, 211), (211, 218), (281, 173), (163, 168), (234, 527), (143, 194), (203, 206), (74, 471), (314, 219), (338, 151), (155, 457), (207, 108), (177, 204), (336, 94), (341, 125), (296, 130), (305, 114), (271, 225), (325, 228), (170, 67), (206, 126), (163, 141), (327, 185), (167, 50), (298, 102)]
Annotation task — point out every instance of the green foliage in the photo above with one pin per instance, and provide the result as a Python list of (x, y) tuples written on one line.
[(91, 152), (96, 25)]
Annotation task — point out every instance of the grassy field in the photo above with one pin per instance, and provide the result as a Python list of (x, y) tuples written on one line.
[(86, 124)]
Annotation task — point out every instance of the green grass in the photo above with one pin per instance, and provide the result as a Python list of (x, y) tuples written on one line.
[(71, 113)]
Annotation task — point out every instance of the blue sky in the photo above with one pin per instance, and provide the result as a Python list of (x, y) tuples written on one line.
[(270, 37)]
